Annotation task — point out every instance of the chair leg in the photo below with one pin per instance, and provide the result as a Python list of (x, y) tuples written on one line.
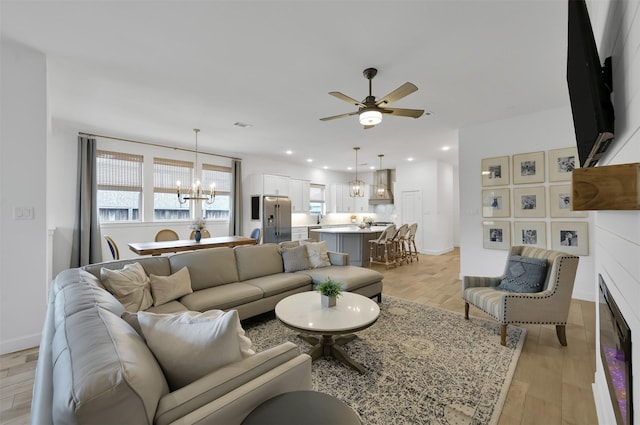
[(562, 336), (503, 334), (466, 311)]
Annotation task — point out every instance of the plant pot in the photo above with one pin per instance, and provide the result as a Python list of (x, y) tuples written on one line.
[(328, 301), (197, 236)]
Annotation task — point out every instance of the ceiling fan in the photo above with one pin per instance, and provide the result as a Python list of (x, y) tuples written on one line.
[(370, 110)]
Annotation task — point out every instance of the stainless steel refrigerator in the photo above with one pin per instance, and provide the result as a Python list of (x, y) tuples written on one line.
[(276, 219)]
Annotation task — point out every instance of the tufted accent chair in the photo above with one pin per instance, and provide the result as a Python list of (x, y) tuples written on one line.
[(548, 307)]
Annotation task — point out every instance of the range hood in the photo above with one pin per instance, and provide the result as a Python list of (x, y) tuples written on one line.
[(382, 179)]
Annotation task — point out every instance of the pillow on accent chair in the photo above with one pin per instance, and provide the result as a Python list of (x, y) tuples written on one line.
[(317, 251), (524, 274), (295, 259), (130, 285), (191, 345), (169, 288)]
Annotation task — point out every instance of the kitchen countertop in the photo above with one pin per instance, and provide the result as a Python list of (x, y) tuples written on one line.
[(350, 229)]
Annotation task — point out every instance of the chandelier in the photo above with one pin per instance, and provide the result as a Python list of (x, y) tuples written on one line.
[(356, 187), (196, 193), (381, 188)]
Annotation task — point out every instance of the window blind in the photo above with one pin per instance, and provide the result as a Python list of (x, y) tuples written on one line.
[(167, 172), (119, 171)]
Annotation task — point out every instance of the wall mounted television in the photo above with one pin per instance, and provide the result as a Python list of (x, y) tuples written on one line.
[(589, 86)]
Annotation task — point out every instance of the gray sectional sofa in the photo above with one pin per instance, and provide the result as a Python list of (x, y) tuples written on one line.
[(93, 367)]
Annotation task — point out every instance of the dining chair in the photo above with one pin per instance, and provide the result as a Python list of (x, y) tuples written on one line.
[(204, 232), (113, 248), (255, 234), (167, 235)]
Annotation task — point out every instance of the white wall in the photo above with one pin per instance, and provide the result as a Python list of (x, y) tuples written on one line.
[(542, 131), (616, 26), (23, 275)]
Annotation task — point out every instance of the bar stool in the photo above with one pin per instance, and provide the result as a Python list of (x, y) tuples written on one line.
[(412, 250), (380, 249)]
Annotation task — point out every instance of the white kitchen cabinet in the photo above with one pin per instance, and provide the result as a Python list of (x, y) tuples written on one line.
[(275, 185), (344, 203), (299, 194)]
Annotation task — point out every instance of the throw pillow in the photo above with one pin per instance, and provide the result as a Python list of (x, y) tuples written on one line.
[(295, 259), (169, 288), (524, 274), (191, 345), (130, 285), (317, 251)]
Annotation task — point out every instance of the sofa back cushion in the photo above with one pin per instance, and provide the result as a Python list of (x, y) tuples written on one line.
[(100, 362), (81, 296), (258, 260), (152, 265), (207, 267)]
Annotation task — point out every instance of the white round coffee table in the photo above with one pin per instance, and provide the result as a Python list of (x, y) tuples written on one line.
[(303, 313)]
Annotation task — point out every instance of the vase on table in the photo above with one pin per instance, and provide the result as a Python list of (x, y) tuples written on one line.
[(197, 236), (328, 301)]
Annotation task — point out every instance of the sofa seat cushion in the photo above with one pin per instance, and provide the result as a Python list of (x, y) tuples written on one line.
[(100, 362), (278, 283), (351, 277), (170, 307), (221, 297)]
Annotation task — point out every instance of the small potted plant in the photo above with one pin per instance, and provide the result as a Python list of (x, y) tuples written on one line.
[(198, 226), (329, 290)]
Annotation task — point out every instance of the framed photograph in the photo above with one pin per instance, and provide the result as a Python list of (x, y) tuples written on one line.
[(529, 202), (561, 164), (496, 234), (571, 237), (528, 168), (530, 233), (495, 171), (496, 203), (560, 202)]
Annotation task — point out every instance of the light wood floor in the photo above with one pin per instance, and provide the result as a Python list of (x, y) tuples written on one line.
[(552, 384)]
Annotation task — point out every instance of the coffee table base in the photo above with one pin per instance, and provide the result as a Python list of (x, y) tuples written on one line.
[(330, 346)]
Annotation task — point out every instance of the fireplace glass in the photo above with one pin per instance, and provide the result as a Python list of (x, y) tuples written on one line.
[(615, 350)]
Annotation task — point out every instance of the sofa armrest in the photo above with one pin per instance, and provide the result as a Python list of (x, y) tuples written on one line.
[(223, 381), (338, 258), (233, 407), (480, 282)]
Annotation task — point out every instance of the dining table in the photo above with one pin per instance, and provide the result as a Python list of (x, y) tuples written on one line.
[(164, 247)]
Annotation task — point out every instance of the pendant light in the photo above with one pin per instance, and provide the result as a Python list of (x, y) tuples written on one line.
[(356, 187), (196, 193), (381, 188)]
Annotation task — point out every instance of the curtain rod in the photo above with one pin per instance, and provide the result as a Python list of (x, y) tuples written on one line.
[(156, 145)]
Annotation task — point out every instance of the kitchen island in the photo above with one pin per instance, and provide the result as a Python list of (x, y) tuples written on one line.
[(351, 240)]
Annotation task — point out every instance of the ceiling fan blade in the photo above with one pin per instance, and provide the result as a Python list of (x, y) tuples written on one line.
[(339, 116), (346, 98), (413, 113), (402, 91)]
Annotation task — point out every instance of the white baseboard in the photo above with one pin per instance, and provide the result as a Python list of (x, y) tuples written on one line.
[(18, 344)]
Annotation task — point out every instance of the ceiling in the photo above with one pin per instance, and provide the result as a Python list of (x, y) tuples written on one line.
[(154, 70)]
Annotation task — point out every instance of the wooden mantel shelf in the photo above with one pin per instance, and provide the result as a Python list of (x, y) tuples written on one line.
[(611, 187)]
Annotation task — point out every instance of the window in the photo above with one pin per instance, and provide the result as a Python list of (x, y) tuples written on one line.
[(316, 198), (166, 174), (221, 176), (119, 185)]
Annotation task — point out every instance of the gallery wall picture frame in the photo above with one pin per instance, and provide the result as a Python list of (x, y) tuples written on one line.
[(496, 202), (528, 168), (495, 171), (530, 233), (496, 234), (571, 237), (529, 202), (561, 163), (560, 202)]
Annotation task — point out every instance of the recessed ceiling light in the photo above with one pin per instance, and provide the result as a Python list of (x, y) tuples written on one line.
[(309, 160), (289, 152), (372, 168), (349, 168), (326, 167), (445, 148), (409, 159)]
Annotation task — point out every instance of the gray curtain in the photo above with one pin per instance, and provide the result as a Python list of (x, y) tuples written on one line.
[(235, 215), (87, 244)]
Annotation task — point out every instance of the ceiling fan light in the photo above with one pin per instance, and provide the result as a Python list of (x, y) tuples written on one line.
[(370, 117)]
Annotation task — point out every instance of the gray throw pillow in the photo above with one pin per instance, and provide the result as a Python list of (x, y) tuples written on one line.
[(295, 259), (524, 274)]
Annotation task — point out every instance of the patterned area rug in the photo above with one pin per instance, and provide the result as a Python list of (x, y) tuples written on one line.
[(423, 365)]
